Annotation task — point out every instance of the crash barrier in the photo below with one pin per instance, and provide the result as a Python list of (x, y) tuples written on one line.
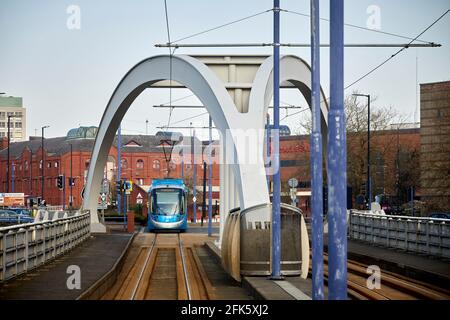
[(27, 246), (246, 242), (424, 235)]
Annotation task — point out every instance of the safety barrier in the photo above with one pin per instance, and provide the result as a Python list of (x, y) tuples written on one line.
[(416, 234), (246, 242), (27, 246)]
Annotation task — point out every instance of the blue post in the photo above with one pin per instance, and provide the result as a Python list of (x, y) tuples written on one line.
[(125, 204), (194, 177), (276, 219), (268, 148), (119, 176), (182, 165), (210, 179), (316, 158), (337, 175)]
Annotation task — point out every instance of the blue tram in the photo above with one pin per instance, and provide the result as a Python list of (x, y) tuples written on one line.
[(167, 205)]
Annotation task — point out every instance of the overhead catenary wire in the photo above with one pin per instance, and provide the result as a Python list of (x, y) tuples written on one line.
[(396, 53), (359, 27), (222, 25)]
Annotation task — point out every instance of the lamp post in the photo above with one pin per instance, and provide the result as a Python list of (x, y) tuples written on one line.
[(71, 178), (369, 181), (9, 142), (43, 164)]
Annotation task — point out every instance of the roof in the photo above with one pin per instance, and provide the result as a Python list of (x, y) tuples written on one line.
[(61, 145), (10, 102)]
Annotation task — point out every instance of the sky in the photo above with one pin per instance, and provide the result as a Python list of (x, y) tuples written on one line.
[(66, 76)]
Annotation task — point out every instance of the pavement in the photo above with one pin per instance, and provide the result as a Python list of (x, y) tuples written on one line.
[(95, 257)]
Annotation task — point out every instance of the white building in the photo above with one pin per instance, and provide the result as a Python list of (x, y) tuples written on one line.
[(13, 107)]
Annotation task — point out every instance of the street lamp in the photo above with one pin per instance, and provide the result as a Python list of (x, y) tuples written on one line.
[(43, 164), (369, 182)]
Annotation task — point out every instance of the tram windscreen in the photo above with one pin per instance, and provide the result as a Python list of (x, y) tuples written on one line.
[(167, 201)]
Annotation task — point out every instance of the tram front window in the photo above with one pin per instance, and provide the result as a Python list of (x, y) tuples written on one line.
[(167, 201)]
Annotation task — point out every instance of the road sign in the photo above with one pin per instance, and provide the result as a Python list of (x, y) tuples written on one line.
[(194, 199), (293, 183), (105, 186)]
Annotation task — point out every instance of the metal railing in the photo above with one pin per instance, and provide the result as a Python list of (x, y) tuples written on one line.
[(27, 246), (423, 235)]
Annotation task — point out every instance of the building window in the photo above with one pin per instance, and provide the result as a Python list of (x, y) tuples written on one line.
[(156, 165), (2, 134), (140, 164), (172, 166), (2, 124), (124, 163), (56, 164), (26, 165), (2, 115), (40, 164), (18, 124), (140, 181), (49, 165)]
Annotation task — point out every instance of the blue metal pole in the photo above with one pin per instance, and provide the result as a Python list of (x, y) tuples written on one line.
[(268, 148), (194, 183), (182, 165), (276, 219), (125, 204), (119, 176), (316, 158), (337, 157), (210, 180)]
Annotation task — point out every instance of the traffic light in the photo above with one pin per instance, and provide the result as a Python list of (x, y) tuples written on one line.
[(61, 182), (71, 182), (128, 186)]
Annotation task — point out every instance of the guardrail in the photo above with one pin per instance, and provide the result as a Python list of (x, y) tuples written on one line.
[(27, 246), (429, 236)]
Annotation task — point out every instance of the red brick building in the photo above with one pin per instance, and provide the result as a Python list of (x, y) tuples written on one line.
[(143, 160)]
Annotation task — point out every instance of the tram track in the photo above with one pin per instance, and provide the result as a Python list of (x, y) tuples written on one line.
[(166, 269), (392, 286)]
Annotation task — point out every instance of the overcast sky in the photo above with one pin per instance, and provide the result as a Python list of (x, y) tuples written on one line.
[(66, 77)]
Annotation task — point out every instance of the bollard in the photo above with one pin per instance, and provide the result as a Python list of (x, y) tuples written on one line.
[(130, 222)]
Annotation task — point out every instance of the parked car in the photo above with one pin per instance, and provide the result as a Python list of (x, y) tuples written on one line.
[(11, 217), (440, 215), (21, 211)]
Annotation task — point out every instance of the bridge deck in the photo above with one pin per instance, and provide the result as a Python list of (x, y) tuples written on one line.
[(95, 257)]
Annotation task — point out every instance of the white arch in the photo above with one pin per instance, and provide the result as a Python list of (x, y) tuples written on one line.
[(292, 69), (211, 92)]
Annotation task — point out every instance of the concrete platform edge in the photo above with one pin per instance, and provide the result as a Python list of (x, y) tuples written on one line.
[(103, 284)]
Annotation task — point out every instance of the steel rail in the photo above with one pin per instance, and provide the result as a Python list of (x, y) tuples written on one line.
[(141, 274), (183, 262)]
